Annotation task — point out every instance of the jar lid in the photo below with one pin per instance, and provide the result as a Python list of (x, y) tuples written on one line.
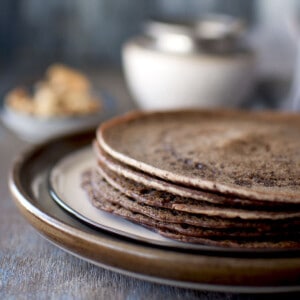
[(211, 33), (219, 33), (218, 27)]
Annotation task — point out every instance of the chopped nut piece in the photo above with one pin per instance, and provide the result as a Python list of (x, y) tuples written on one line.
[(65, 92)]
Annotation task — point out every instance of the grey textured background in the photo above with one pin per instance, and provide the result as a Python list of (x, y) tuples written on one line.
[(90, 31)]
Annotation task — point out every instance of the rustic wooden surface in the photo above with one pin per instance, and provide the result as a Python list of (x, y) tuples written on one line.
[(33, 268)]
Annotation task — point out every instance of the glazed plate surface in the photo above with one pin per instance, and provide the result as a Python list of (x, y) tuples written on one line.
[(131, 249)]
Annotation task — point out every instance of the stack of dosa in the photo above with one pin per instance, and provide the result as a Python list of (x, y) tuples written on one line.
[(223, 178)]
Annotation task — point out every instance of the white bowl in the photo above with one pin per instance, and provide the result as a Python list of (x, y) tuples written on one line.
[(165, 80), (36, 129)]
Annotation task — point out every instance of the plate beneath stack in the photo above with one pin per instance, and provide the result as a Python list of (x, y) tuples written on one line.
[(65, 188), (207, 268)]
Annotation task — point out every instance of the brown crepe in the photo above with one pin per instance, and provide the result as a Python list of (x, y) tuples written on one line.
[(124, 171), (112, 201), (155, 198), (247, 154)]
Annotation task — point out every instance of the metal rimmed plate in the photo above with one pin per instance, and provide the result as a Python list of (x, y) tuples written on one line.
[(201, 269)]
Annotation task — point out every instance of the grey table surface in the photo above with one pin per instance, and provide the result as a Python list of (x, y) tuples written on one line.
[(33, 268)]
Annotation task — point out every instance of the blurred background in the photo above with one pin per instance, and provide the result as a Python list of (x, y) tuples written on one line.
[(91, 31), (89, 35)]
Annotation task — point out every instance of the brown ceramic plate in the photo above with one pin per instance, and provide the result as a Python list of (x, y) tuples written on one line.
[(262, 271)]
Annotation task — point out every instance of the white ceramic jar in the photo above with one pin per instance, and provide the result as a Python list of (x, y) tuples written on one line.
[(160, 78)]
